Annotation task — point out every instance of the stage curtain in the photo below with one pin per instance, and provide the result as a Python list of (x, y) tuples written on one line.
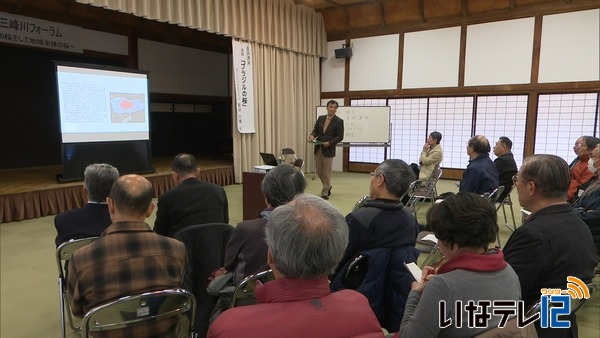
[(285, 96), (287, 41), (277, 23)]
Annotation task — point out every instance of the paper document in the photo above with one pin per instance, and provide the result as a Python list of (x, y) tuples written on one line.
[(430, 238), (415, 270)]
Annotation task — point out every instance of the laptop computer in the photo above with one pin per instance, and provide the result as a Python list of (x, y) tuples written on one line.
[(269, 159)]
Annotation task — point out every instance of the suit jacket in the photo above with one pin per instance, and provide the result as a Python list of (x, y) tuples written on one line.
[(88, 221), (507, 168), (552, 244), (334, 134), (190, 203)]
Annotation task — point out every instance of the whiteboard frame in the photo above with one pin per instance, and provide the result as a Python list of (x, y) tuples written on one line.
[(342, 111)]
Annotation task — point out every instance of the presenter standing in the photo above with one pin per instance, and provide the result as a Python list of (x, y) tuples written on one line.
[(328, 131)]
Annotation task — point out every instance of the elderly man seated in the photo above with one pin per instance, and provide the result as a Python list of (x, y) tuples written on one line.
[(587, 207), (481, 175), (306, 239), (384, 232)]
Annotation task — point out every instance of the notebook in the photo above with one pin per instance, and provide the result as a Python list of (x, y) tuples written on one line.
[(269, 159)]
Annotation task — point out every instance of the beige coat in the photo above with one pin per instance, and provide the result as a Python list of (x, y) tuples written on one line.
[(429, 161)]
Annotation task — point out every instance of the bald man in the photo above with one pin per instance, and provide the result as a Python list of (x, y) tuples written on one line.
[(481, 175), (128, 258)]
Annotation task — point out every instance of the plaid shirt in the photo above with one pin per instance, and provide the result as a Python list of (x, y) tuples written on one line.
[(128, 258)]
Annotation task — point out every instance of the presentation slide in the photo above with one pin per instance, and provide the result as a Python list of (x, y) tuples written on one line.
[(100, 105)]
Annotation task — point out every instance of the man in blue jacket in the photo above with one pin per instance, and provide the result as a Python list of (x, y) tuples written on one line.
[(481, 175)]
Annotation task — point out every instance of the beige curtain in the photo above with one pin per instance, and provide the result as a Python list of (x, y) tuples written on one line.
[(286, 94), (287, 41), (277, 23)]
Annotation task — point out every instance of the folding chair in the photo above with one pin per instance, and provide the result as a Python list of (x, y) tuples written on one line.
[(508, 202), (288, 156), (148, 307), (205, 245), (492, 197), (425, 191), (64, 252), (299, 165), (244, 292), (434, 257), (494, 194)]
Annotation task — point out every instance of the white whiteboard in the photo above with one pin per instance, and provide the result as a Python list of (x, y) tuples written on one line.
[(363, 124)]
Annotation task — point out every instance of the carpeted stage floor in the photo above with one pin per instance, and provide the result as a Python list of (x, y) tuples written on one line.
[(27, 193)]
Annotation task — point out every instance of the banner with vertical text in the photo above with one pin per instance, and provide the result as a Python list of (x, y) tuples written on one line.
[(244, 86)]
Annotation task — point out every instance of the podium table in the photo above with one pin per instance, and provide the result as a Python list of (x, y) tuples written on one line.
[(252, 196)]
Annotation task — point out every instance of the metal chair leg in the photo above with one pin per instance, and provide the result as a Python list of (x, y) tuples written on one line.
[(62, 308)]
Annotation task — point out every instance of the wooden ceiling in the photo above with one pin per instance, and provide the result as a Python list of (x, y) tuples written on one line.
[(346, 19)]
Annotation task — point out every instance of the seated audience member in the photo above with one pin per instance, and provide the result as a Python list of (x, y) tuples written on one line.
[(587, 207), (505, 164), (128, 258), (579, 167), (246, 251), (92, 219), (192, 201), (431, 156), (306, 239), (553, 243), (464, 224), (384, 231), (481, 175)]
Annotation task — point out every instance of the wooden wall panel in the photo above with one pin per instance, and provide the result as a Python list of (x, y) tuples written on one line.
[(442, 8), (365, 15), (335, 20), (478, 6), (399, 12)]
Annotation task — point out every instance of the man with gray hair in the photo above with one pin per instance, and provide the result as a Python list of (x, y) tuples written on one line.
[(246, 251), (553, 243), (384, 232), (305, 238), (92, 219)]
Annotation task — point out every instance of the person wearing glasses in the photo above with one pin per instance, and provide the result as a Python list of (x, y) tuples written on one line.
[(465, 224), (579, 167), (327, 133), (384, 231), (553, 243), (587, 206)]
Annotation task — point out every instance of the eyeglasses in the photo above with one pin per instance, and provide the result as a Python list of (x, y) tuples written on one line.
[(376, 174), (515, 179)]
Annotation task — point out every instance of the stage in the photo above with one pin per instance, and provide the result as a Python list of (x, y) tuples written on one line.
[(27, 193)]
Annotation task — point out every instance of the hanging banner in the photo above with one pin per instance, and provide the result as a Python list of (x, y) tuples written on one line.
[(244, 86), (22, 30)]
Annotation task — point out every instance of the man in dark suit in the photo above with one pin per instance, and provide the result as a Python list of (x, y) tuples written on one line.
[(505, 164), (553, 243), (92, 219), (328, 131), (192, 201)]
